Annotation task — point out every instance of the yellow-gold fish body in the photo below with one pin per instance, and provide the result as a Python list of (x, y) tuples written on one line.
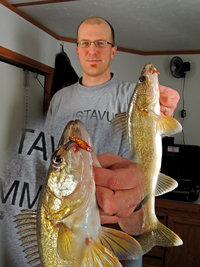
[(145, 127), (69, 232)]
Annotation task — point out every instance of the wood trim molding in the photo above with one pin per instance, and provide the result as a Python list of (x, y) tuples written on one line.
[(158, 53), (66, 39), (26, 62), (72, 40), (40, 2), (163, 53)]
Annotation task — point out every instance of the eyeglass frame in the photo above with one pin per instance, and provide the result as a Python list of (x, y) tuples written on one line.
[(90, 42)]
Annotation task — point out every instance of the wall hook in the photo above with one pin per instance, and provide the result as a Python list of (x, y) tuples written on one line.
[(62, 47)]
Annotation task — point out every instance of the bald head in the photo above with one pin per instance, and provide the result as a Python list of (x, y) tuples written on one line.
[(98, 20)]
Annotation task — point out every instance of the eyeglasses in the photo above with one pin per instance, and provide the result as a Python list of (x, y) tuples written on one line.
[(100, 43)]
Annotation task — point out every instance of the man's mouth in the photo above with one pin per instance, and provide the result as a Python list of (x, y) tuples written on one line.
[(93, 61)]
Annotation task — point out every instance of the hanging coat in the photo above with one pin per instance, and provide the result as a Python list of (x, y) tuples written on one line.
[(64, 74)]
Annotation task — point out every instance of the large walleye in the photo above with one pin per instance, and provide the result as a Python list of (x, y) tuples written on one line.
[(144, 127), (66, 229)]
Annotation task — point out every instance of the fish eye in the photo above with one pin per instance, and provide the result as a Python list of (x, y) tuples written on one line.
[(90, 149), (142, 78), (56, 160), (71, 138)]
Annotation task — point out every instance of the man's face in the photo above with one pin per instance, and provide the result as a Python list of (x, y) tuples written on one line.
[(95, 61)]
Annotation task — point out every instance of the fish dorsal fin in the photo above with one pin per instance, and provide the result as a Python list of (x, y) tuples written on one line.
[(168, 126), (26, 223), (98, 255), (121, 244), (165, 184), (119, 123)]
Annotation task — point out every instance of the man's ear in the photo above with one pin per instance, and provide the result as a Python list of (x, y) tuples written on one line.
[(114, 49), (77, 52)]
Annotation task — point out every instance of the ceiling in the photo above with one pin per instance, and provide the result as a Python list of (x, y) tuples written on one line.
[(142, 25)]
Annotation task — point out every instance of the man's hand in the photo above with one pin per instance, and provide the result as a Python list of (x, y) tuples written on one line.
[(118, 187), (168, 100)]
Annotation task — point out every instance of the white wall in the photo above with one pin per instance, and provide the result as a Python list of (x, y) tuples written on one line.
[(19, 35), (21, 104), (22, 37)]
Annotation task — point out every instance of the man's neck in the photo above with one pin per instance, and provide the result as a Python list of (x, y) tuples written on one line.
[(94, 81)]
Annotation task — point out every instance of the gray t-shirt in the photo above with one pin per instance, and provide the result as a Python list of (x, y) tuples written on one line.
[(95, 107)]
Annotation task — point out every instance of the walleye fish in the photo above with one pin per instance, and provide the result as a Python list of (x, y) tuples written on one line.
[(65, 230), (144, 127)]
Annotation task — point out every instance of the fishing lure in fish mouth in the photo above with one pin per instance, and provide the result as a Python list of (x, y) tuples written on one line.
[(82, 144), (58, 155), (155, 71)]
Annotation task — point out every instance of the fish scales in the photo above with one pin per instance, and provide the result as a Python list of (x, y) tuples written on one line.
[(69, 232), (144, 128)]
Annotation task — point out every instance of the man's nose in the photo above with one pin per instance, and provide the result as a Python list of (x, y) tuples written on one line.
[(92, 48)]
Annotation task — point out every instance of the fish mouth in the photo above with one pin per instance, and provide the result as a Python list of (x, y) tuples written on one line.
[(74, 129), (149, 69)]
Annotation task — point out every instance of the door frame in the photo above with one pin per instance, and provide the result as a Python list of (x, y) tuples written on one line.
[(28, 63)]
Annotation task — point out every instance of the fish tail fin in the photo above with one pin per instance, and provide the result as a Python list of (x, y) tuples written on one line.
[(122, 245), (158, 236)]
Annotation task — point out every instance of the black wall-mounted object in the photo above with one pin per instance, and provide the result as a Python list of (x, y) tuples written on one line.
[(178, 67)]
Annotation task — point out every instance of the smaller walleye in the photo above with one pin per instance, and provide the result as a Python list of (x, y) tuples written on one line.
[(144, 127), (67, 222)]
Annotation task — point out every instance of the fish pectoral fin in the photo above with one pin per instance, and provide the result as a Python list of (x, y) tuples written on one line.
[(98, 255), (151, 113), (121, 244), (65, 243), (159, 235), (119, 123), (165, 184), (168, 126)]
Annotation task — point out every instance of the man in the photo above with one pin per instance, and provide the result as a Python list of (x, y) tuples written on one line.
[(94, 99)]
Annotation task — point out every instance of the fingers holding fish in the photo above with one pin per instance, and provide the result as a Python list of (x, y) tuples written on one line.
[(117, 173), (168, 100), (118, 187), (116, 217), (121, 203)]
